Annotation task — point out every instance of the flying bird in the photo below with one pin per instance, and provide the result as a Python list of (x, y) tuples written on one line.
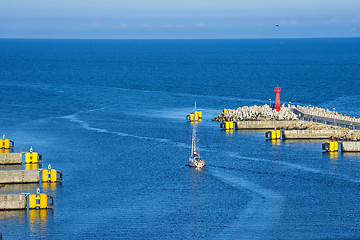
[(276, 25)]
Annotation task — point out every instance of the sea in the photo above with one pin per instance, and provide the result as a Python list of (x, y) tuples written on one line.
[(111, 116)]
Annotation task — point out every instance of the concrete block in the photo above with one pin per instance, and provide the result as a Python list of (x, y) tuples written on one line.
[(19, 176), (10, 158), (243, 125), (310, 134), (13, 201), (350, 146)]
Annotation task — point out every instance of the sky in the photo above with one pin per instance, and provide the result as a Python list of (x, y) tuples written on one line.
[(179, 19)]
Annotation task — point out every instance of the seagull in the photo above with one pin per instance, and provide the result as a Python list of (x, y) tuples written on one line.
[(276, 25)]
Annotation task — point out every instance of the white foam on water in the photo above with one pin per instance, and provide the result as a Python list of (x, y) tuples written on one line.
[(291, 165), (260, 215), (300, 168), (75, 119)]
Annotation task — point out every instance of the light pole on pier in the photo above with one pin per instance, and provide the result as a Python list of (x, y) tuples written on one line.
[(334, 116)]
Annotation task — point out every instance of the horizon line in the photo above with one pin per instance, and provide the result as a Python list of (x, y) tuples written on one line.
[(249, 38)]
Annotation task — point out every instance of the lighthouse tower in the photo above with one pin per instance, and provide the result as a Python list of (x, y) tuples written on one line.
[(277, 99)]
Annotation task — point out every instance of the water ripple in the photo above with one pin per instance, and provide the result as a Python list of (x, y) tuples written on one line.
[(260, 215), (75, 119)]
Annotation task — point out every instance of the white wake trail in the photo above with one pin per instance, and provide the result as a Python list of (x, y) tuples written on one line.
[(75, 119), (302, 168), (261, 213)]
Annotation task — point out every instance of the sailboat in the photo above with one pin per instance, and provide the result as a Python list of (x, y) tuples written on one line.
[(195, 159)]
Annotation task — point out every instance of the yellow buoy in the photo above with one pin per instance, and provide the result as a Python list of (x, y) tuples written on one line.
[(226, 110), (194, 117), (5, 143), (51, 175), (40, 201), (330, 146), (273, 134), (32, 157), (227, 125)]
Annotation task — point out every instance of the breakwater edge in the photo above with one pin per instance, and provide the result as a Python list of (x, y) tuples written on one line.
[(293, 117)]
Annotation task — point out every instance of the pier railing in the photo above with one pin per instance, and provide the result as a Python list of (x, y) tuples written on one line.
[(326, 120)]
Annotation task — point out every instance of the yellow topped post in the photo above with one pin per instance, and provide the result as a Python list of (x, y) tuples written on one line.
[(5, 143), (228, 125), (331, 146), (32, 157), (39, 200), (273, 134), (50, 175)]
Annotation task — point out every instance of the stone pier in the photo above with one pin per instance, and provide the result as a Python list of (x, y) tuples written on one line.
[(320, 123), (13, 201), (244, 125), (311, 134), (19, 176), (350, 146), (10, 158)]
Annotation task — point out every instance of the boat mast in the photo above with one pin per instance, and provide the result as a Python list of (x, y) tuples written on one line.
[(195, 126), (192, 144), (193, 139)]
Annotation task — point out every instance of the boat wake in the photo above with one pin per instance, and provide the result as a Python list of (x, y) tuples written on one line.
[(73, 118), (301, 168), (260, 215)]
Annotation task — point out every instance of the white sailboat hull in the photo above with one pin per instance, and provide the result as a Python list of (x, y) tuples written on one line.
[(194, 162)]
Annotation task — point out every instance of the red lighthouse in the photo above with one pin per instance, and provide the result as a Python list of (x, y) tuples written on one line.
[(277, 99)]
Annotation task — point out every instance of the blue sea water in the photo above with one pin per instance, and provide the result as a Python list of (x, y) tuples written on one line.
[(110, 115)]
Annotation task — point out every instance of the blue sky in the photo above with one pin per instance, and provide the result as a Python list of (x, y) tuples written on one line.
[(128, 19)]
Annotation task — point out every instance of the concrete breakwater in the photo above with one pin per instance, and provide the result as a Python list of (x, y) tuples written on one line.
[(312, 134), (317, 122), (288, 125), (350, 146), (257, 113), (322, 112), (287, 113)]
